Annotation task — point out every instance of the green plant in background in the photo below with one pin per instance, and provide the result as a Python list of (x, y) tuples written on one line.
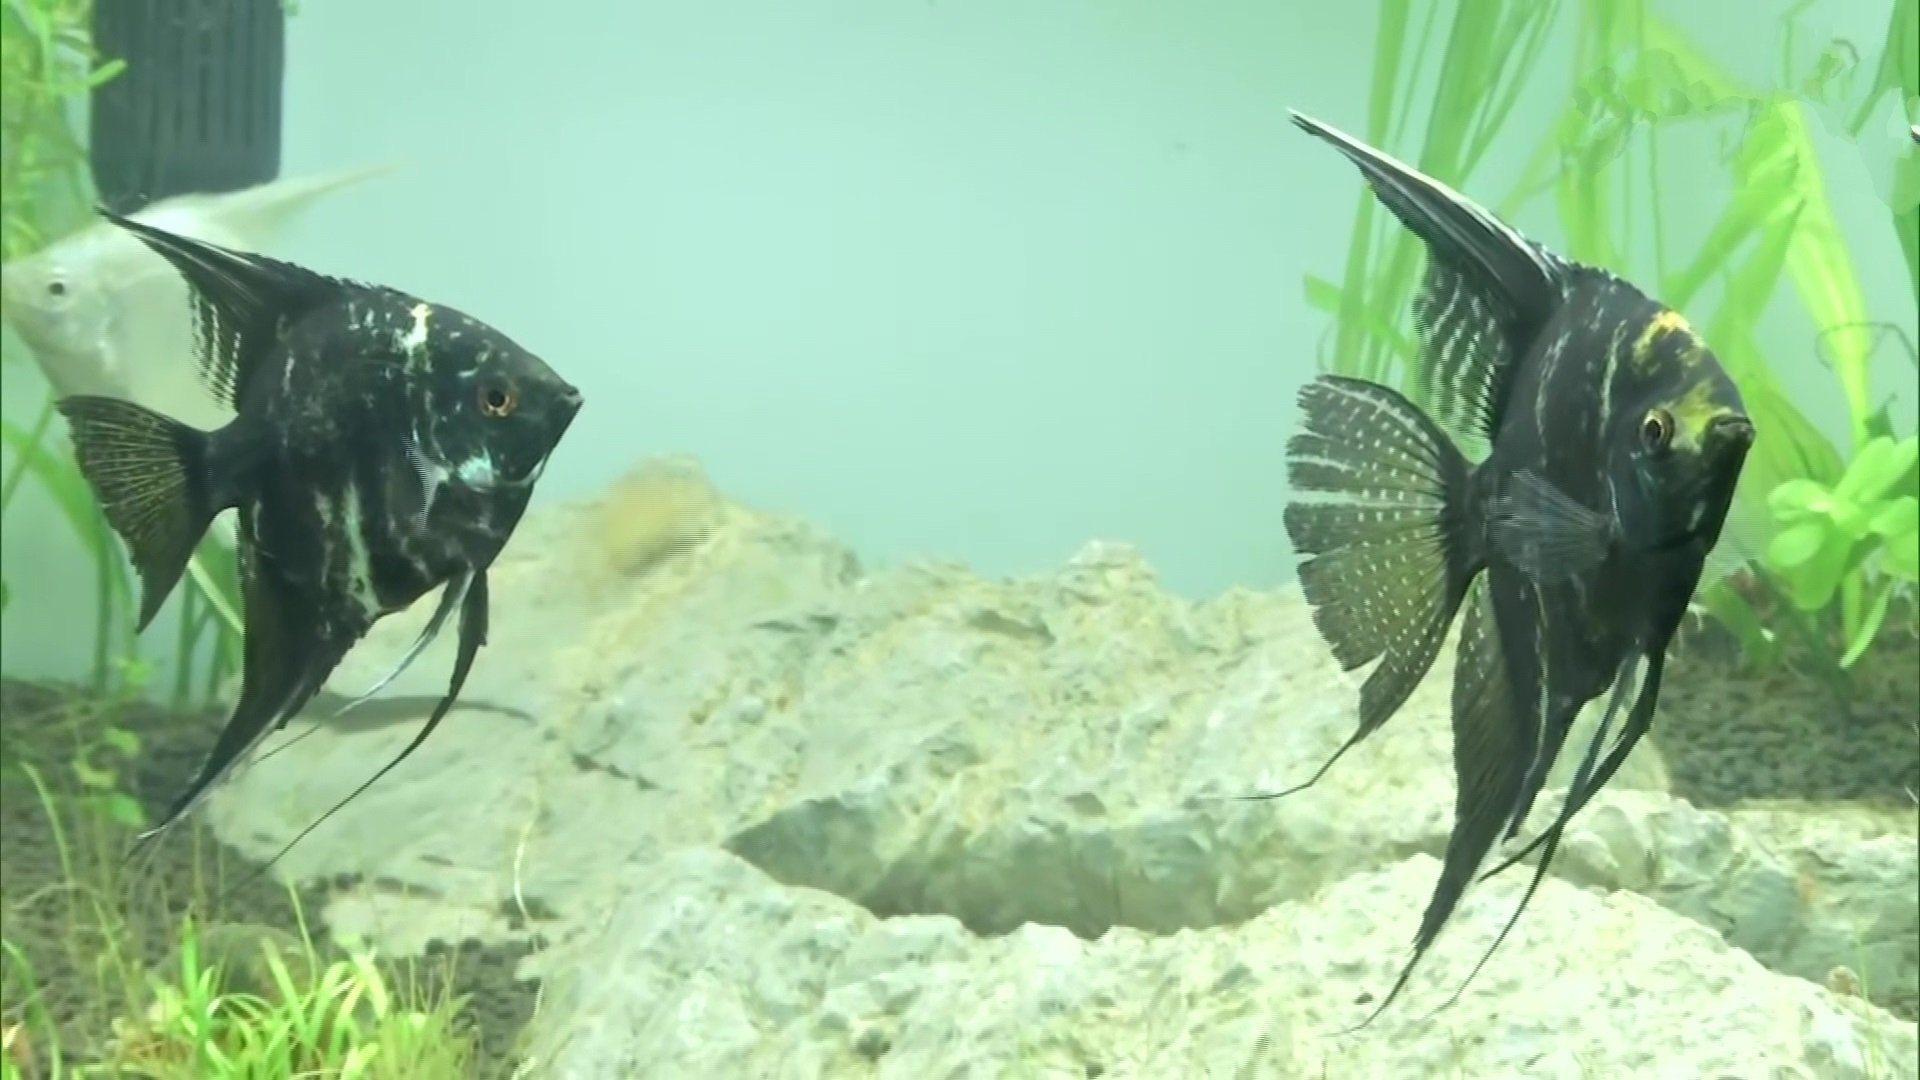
[(75, 759), (56, 474), (46, 63), (1491, 47), (1865, 525), (337, 1020), (1898, 73), (1778, 226), (1636, 78), (228, 998)]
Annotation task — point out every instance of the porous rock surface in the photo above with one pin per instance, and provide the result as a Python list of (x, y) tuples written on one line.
[(774, 815)]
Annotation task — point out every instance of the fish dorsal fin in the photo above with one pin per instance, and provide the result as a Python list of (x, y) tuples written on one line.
[(1465, 354), (1487, 290), (242, 302)]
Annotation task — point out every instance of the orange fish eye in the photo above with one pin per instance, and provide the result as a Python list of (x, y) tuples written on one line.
[(498, 400)]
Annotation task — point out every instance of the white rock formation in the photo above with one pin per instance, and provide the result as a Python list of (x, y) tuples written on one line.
[(706, 968), (785, 818)]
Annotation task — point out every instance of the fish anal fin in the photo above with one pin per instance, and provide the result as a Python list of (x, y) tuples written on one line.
[(473, 635), (1549, 840), (1543, 531), (1492, 740), (1592, 776), (150, 474), (284, 659)]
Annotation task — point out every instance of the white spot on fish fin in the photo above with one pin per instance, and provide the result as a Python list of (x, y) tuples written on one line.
[(432, 476), (450, 597), (1543, 532)]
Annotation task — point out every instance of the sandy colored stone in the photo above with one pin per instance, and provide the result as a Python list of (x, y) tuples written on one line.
[(1049, 760)]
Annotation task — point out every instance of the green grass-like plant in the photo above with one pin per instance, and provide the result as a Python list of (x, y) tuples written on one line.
[(1820, 535), (312, 1015), (341, 1020), (258, 1007), (1489, 53), (47, 61)]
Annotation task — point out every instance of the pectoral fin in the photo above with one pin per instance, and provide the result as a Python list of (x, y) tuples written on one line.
[(1544, 532), (419, 497)]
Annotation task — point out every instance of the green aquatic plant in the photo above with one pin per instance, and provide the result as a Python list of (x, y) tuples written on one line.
[(35, 454), (209, 1008), (47, 61), (1637, 83), (338, 1019), (1897, 73), (1483, 64), (1834, 604), (1866, 525)]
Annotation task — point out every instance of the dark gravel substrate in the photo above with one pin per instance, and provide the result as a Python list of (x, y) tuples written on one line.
[(1729, 734), (33, 900)]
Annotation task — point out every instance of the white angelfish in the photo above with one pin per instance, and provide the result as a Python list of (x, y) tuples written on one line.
[(104, 315)]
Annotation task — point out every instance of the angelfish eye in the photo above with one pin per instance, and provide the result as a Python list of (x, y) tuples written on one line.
[(1657, 429), (56, 288), (498, 399)]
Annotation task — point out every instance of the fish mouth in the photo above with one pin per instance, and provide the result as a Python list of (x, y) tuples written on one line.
[(1730, 431), (566, 406), (570, 400)]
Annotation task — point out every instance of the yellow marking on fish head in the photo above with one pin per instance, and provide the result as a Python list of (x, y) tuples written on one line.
[(1695, 411), (1668, 321)]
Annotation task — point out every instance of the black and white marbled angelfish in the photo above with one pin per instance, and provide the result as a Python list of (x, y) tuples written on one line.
[(384, 447), (1615, 440)]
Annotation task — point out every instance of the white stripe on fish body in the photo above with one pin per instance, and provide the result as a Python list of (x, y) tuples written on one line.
[(359, 566), (286, 375), (415, 339), (1606, 380)]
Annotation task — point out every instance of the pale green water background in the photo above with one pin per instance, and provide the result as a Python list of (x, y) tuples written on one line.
[(975, 280)]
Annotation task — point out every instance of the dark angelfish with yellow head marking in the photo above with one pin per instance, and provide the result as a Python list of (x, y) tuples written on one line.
[(1615, 441), (383, 447)]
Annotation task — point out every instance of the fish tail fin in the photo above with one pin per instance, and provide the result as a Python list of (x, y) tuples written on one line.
[(1380, 511), (150, 473)]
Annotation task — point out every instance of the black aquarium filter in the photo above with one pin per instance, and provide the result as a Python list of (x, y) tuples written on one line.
[(197, 108)]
